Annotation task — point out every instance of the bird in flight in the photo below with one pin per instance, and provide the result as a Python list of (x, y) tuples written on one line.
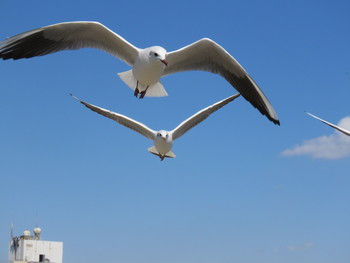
[(346, 132), (163, 139), (148, 64)]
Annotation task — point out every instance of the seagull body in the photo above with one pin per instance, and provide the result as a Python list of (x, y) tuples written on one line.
[(163, 139), (149, 64), (346, 132), (147, 71)]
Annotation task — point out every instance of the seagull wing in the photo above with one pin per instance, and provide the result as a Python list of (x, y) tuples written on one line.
[(207, 55), (121, 119), (200, 116), (346, 132), (69, 35)]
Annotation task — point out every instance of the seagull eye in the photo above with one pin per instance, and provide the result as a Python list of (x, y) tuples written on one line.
[(156, 54)]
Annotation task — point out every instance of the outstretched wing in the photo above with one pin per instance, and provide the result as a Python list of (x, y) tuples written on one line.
[(346, 132), (199, 117), (68, 35), (207, 55), (121, 119)]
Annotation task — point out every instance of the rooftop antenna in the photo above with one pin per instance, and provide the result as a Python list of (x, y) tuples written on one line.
[(36, 218), (11, 240), (11, 231), (14, 243)]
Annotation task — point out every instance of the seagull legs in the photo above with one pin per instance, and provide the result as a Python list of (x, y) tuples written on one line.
[(143, 93), (137, 91)]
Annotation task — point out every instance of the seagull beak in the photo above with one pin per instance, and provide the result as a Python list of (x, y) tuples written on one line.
[(165, 62)]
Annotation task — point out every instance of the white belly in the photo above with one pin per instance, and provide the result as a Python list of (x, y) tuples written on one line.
[(148, 73), (162, 146)]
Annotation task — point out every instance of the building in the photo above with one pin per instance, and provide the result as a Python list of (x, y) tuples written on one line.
[(31, 249)]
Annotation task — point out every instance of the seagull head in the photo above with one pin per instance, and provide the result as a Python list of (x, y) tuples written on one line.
[(158, 54), (163, 135)]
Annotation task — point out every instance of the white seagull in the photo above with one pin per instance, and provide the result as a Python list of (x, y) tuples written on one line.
[(163, 140), (149, 64), (346, 132)]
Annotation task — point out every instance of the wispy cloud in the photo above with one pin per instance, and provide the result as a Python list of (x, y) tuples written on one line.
[(334, 146), (294, 248), (303, 247)]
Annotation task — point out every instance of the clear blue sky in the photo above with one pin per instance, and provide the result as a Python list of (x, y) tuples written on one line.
[(232, 194)]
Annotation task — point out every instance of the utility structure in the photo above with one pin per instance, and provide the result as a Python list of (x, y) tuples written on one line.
[(31, 249)]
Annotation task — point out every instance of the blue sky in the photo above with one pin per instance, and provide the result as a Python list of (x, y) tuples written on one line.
[(232, 194)]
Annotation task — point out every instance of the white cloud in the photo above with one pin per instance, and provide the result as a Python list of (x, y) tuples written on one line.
[(334, 146), (303, 247), (294, 248)]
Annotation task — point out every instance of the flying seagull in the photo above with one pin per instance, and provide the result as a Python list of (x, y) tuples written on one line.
[(163, 140), (148, 65), (346, 132)]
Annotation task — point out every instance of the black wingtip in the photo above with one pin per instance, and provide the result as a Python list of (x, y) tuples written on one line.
[(75, 97), (276, 122)]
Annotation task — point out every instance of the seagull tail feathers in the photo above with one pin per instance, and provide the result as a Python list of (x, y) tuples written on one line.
[(154, 151), (155, 90)]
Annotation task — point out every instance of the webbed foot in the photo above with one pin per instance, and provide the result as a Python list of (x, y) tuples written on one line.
[(136, 92), (143, 93)]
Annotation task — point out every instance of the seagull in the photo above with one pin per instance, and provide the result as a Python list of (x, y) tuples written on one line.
[(163, 140), (148, 65), (346, 132)]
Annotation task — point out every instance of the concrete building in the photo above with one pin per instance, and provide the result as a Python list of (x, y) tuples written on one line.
[(31, 249)]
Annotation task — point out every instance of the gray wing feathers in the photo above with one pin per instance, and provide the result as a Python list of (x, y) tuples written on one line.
[(346, 132), (121, 119), (199, 117), (207, 55), (64, 36)]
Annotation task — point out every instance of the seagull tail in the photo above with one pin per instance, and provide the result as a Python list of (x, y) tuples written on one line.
[(154, 151), (155, 90), (170, 154)]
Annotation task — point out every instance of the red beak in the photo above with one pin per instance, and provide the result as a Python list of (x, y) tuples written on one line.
[(164, 61)]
